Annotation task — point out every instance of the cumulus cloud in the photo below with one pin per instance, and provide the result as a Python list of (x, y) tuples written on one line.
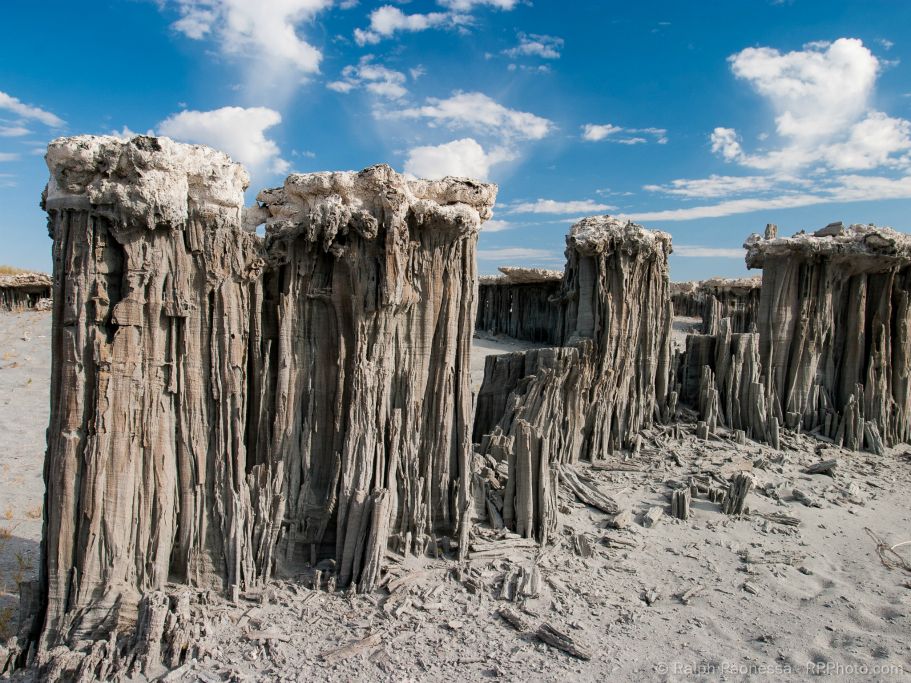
[(561, 207), (387, 20), (827, 128), (474, 110), (726, 144), (463, 158), (374, 78), (236, 130), (822, 97), (536, 45), (29, 112), (268, 38), (596, 132)]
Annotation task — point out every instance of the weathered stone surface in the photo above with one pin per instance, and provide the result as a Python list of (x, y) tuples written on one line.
[(362, 358), (717, 298), (616, 313), (523, 303), (24, 290), (835, 332), (212, 422), (593, 395), (146, 471), (721, 376)]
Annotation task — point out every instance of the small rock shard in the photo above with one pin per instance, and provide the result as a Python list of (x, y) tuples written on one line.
[(562, 641), (652, 516)]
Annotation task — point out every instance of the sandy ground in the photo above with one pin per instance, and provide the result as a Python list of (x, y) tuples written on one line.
[(487, 345), (25, 366), (712, 598)]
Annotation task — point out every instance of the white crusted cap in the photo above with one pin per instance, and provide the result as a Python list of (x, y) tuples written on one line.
[(145, 180)]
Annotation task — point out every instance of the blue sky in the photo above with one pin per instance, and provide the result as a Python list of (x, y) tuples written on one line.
[(707, 119)]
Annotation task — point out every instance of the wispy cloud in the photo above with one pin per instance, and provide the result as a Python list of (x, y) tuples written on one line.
[(375, 78), (693, 251), (496, 225), (554, 206), (267, 40), (29, 112), (839, 189), (477, 111), (596, 132), (536, 45), (519, 253), (715, 186)]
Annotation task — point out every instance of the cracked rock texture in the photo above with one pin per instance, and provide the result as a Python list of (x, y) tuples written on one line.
[(717, 298), (523, 304), (835, 331), (146, 471), (593, 395), (24, 290), (362, 358), (225, 407)]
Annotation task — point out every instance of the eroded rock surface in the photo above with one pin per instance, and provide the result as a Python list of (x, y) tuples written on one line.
[(523, 303), (24, 290), (717, 298), (363, 360), (227, 407), (834, 323), (147, 475), (595, 394)]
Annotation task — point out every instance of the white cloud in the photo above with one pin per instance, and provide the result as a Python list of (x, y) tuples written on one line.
[(596, 132), (822, 97), (468, 5), (816, 91), (517, 254), (29, 112), (375, 78), (461, 158), (387, 20), (839, 189), (560, 207), (536, 45), (238, 131), (496, 225), (13, 131), (714, 186), (266, 38), (725, 143), (9, 156), (693, 251), (479, 112), (872, 142)]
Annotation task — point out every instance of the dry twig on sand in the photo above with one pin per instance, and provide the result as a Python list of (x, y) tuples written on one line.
[(887, 554)]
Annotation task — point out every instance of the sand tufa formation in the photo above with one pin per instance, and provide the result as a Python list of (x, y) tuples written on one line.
[(228, 408)]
